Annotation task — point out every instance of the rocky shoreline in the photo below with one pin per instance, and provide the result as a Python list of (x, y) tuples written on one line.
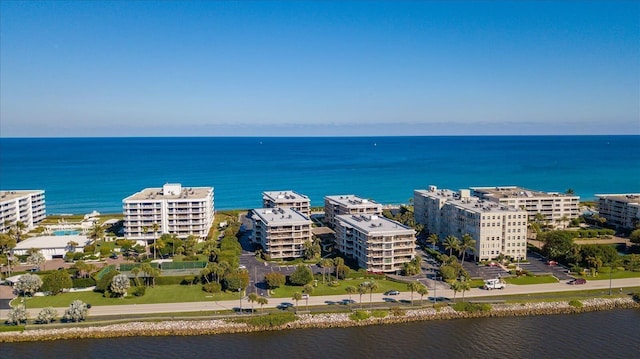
[(336, 320)]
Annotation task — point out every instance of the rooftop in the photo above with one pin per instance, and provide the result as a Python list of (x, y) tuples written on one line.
[(465, 201), (517, 192), (371, 223), (52, 241), (284, 196), (350, 200), (625, 197), (171, 191), (280, 216), (13, 195)]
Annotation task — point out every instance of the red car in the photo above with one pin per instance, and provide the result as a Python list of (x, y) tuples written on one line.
[(552, 263), (577, 281)]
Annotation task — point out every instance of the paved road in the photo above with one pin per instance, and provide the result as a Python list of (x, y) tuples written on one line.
[(335, 299)]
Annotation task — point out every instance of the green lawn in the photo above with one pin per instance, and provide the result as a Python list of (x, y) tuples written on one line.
[(160, 294), (614, 275), (531, 280), (323, 289)]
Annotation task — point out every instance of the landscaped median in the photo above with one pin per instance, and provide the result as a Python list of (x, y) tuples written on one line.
[(281, 321)]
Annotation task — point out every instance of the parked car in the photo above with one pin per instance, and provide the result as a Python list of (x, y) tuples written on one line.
[(305, 296), (392, 292), (113, 256), (552, 263), (577, 281)]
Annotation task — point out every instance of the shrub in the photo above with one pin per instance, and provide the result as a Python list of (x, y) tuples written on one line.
[(89, 248), (212, 287), (379, 313), (439, 306), (470, 307), (102, 285), (139, 291), (359, 315), (83, 282), (274, 280), (636, 297), (47, 315), (168, 280), (576, 304), (397, 312), (334, 283), (301, 276)]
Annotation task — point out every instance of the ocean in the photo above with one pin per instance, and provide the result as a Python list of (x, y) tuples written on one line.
[(80, 175)]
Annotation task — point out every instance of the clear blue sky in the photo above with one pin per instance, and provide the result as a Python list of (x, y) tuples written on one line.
[(91, 68)]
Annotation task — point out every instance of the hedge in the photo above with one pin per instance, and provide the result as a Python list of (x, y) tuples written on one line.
[(83, 282), (169, 280)]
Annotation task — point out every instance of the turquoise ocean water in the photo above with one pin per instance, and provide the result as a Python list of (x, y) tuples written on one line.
[(80, 175)]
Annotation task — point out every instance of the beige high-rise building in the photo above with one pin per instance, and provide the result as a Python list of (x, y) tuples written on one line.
[(348, 204), (287, 199), (553, 206), (281, 231), (26, 206), (496, 228), (173, 209), (377, 243), (620, 210)]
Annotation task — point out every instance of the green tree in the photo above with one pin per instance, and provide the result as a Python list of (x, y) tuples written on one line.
[(635, 236), (311, 249), (301, 276), (455, 287), (350, 290), (464, 286), (236, 280), (296, 296), (308, 290), (468, 244), (7, 244), (262, 301), (274, 280), (252, 298), (96, 231), (413, 287), (433, 239), (47, 315), (17, 314), (451, 244), (371, 286), (325, 263), (55, 282), (361, 290), (76, 312), (422, 290), (558, 245)]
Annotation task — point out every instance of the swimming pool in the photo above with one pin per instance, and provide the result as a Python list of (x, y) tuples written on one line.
[(66, 232)]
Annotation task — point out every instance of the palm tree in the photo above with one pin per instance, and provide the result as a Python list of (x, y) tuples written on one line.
[(372, 285), (422, 290), (262, 301), (135, 271), (564, 220), (308, 290), (252, 297), (96, 231), (455, 286), (433, 239), (361, 290), (464, 286), (350, 290), (324, 263), (413, 286), (451, 243), (467, 244), (594, 261), (337, 262), (155, 226), (296, 296)]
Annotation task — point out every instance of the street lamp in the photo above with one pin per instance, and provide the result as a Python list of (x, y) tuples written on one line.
[(240, 294), (435, 288)]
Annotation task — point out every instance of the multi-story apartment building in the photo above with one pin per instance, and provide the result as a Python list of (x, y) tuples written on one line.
[(287, 199), (620, 210), (281, 231), (556, 208), (496, 228), (348, 204), (172, 209), (26, 206), (377, 243)]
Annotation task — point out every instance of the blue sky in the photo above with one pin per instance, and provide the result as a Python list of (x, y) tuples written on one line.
[(318, 68)]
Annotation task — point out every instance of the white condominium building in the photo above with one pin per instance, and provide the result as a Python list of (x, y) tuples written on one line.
[(348, 204), (620, 210), (377, 243), (287, 199), (552, 205), (27, 207), (496, 228), (172, 209), (281, 231)]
